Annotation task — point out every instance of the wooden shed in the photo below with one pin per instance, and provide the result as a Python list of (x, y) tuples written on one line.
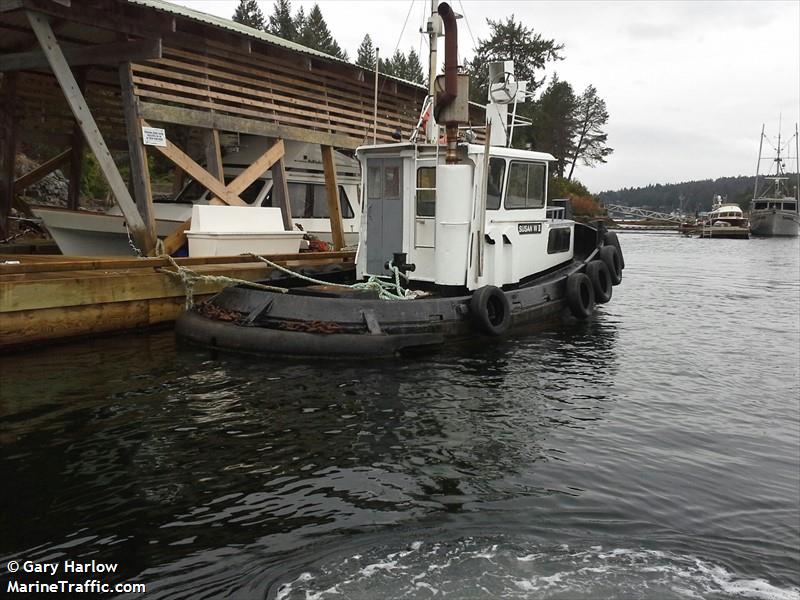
[(89, 74)]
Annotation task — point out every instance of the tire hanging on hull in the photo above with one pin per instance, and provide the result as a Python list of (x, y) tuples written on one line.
[(491, 310), (613, 259), (598, 274), (580, 295)]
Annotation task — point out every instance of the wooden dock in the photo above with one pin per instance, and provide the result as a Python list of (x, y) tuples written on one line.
[(45, 299)]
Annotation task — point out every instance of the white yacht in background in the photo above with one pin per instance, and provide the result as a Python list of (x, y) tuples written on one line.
[(91, 233), (773, 211)]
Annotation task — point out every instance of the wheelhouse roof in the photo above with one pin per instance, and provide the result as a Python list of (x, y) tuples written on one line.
[(499, 151)]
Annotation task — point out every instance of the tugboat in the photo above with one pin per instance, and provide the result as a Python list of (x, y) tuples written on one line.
[(455, 242), (772, 211)]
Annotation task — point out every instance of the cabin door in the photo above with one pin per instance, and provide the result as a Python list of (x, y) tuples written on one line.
[(384, 212)]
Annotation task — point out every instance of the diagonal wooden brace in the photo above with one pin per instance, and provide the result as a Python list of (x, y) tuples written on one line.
[(83, 116)]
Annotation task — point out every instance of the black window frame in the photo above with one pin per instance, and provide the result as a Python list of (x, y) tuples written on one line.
[(529, 164), (495, 202)]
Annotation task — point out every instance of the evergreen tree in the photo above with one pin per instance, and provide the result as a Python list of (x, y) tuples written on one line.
[(249, 13), (510, 40), (590, 143), (396, 65), (414, 69), (554, 125), (299, 21), (366, 53), (314, 33), (281, 22)]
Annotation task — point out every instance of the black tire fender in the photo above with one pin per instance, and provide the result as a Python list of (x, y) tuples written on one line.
[(580, 295), (491, 310), (598, 274), (611, 256), (611, 239)]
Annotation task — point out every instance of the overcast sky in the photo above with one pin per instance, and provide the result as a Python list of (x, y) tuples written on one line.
[(687, 84)]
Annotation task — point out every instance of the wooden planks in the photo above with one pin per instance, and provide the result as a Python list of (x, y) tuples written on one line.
[(54, 299), (109, 54)]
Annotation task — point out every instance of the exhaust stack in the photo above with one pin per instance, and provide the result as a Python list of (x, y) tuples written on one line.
[(452, 105)]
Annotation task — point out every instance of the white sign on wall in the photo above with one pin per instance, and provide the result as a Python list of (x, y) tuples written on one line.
[(153, 136)]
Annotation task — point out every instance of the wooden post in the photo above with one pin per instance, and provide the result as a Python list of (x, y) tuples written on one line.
[(334, 208), (77, 103), (8, 147), (76, 160), (140, 171), (213, 155), (280, 193)]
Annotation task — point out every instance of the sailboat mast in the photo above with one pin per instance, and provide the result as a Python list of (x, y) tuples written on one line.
[(797, 162), (758, 164)]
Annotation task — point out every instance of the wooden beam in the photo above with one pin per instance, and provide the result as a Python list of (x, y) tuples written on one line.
[(147, 23), (101, 54), (60, 264), (280, 193), (177, 238), (334, 207), (76, 160), (213, 154), (8, 148), (42, 170), (140, 171), (9, 5), (203, 177), (211, 120), (254, 171), (83, 115)]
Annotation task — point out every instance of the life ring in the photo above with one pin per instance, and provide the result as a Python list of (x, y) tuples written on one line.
[(598, 274), (611, 239), (611, 256), (491, 310), (580, 295)]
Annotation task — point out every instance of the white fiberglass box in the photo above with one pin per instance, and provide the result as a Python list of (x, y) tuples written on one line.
[(232, 230)]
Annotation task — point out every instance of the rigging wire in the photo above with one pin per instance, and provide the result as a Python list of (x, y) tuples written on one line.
[(466, 20)]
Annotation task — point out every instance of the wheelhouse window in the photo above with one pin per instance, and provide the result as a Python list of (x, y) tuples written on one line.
[(310, 201), (525, 188), (494, 183), (558, 240), (760, 205), (426, 192)]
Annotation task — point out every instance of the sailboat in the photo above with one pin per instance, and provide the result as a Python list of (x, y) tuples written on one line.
[(773, 212)]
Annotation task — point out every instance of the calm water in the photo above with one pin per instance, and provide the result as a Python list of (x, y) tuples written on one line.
[(652, 452)]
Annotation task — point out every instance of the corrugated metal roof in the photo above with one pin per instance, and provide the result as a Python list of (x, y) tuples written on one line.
[(196, 15)]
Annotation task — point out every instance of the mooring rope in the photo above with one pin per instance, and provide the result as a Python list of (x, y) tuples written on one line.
[(189, 278), (383, 288)]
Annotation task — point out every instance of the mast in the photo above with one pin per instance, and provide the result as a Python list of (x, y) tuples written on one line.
[(797, 163), (758, 164)]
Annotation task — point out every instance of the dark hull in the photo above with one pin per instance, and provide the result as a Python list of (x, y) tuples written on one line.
[(355, 327), (327, 321)]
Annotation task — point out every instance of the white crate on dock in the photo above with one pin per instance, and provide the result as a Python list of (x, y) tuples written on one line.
[(232, 230)]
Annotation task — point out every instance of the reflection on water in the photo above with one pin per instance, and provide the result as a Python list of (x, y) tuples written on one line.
[(652, 447)]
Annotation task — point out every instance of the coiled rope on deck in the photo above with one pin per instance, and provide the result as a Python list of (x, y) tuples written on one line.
[(383, 288)]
